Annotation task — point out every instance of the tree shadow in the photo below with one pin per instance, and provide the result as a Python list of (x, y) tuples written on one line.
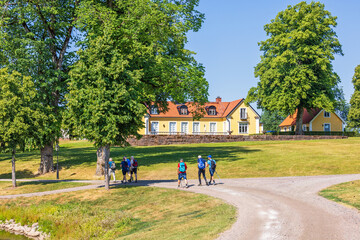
[(26, 173)]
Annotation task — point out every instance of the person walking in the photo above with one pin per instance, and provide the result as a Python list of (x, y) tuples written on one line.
[(112, 169), (201, 167), (212, 168), (129, 165), (124, 169), (133, 168), (182, 172)]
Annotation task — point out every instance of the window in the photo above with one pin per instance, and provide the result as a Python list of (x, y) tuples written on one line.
[(154, 110), (327, 127), (154, 127), (196, 127), (243, 128), (172, 128), (213, 127), (285, 129), (183, 110), (184, 127), (326, 114), (304, 127), (212, 110), (243, 114)]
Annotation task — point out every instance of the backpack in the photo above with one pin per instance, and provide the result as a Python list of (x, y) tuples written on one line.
[(113, 167), (213, 164), (201, 164), (182, 167), (135, 164)]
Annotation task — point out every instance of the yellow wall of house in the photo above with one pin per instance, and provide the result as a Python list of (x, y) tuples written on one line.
[(334, 120), (164, 124), (235, 120)]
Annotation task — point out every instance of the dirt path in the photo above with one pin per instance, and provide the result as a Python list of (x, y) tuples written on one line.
[(274, 208)]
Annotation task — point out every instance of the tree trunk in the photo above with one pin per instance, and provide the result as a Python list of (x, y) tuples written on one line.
[(103, 155), (13, 176), (46, 164), (299, 121)]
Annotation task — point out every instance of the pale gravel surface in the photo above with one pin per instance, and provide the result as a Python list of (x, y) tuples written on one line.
[(273, 208)]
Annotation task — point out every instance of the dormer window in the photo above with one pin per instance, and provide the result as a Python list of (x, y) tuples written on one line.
[(211, 110), (184, 110), (154, 110)]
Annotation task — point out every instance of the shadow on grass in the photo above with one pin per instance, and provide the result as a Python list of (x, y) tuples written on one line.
[(26, 173)]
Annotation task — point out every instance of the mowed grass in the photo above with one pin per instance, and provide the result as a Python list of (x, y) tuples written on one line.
[(238, 159), (29, 187), (346, 193), (123, 213)]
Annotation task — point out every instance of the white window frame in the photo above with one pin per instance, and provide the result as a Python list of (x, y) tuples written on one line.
[(304, 127), (325, 112), (154, 110), (329, 127), (170, 132), (245, 116), (211, 123), (284, 129), (198, 123), (185, 109), (187, 129), (247, 128), (212, 111), (151, 130)]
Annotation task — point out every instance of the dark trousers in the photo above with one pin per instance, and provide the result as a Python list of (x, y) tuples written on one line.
[(202, 171)]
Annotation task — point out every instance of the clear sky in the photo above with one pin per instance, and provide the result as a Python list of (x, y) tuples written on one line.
[(227, 42)]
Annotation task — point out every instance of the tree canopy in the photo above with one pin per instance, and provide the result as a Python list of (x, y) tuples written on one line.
[(295, 71), (354, 112), (271, 120)]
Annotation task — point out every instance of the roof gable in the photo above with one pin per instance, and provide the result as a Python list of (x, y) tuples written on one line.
[(307, 117)]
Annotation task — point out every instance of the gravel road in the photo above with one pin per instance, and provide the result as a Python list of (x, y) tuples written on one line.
[(272, 208), (284, 208)]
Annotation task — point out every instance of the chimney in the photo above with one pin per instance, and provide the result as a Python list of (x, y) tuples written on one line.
[(218, 99)]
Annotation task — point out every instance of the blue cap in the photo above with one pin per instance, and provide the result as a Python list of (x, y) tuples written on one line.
[(209, 156)]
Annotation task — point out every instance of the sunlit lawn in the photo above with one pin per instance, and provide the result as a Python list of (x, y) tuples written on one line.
[(239, 159), (123, 213)]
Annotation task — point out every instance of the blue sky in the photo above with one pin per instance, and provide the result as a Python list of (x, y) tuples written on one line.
[(227, 42)]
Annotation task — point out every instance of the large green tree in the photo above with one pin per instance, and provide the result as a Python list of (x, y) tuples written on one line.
[(35, 40), (19, 115), (133, 56), (295, 70), (354, 113), (271, 120)]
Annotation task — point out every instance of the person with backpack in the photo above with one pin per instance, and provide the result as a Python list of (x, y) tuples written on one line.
[(129, 165), (182, 172), (124, 168), (112, 169), (212, 167), (201, 167), (133, 168)]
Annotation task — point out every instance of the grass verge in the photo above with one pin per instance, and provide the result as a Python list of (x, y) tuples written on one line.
[(29, 187), (346, 193), (123, 213), (77, 159)]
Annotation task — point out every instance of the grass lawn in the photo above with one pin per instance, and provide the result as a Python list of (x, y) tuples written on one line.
[(345, 193), (29, 187), (123, 213), (238, 159)]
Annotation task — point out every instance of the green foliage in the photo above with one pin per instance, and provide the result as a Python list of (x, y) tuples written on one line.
[(19, 115), (354, 112), (271, 120), (34, 40), (295, 70), (133, 56)]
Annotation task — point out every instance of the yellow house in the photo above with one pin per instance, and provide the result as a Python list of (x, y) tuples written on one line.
[(221, 118), (315, 120)]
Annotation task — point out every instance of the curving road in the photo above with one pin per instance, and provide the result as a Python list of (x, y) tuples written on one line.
[(273, 208)]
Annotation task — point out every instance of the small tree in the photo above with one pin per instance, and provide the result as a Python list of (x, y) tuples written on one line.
[(295, 70), (354, 113), (271, 120), (17, 113), (133, 56)]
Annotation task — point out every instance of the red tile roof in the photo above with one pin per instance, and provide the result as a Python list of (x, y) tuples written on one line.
[(222, 109), (307, 117)]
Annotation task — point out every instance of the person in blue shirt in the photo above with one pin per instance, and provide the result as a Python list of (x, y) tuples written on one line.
[(124, 168), (201, 167), (112, 168), (212, 167)]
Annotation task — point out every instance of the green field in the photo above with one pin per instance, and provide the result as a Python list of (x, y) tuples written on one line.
[(345, 193), (29, 187), (239, 159), (123, 213)]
